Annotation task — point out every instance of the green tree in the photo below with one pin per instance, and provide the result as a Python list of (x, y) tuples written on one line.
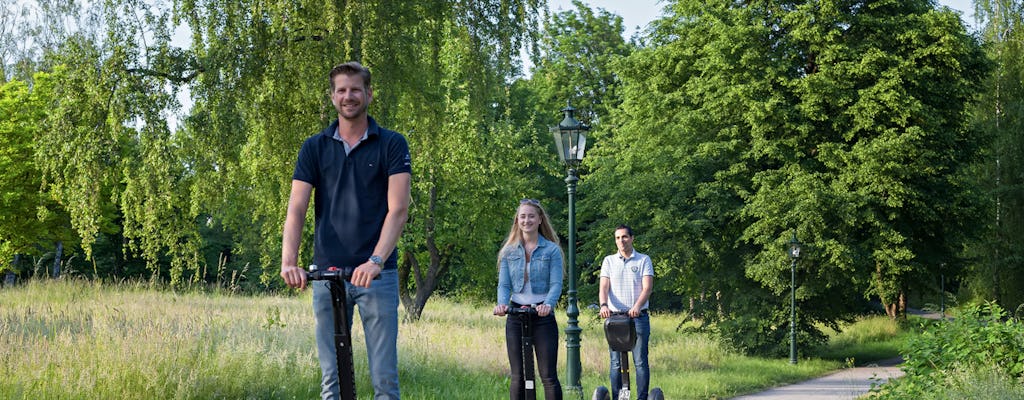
[(116, 170), (574, 63), (440, 72), (29, 218), (998, 273), (845, 121), (31, 29), (576, 52)]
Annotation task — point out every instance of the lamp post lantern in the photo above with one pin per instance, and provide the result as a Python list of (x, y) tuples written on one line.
[(794, 253), (571, 142)]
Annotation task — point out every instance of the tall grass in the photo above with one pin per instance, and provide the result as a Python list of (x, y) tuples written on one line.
[(89, 340), (867, 340)]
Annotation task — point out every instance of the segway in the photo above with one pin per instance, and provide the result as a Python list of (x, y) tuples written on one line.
[(620, 331), (336, 278), (524, 314)]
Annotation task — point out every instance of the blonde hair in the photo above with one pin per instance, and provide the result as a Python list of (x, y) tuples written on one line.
[(515, 234)]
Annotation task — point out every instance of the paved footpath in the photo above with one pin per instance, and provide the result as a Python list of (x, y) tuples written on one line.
[(847, 384)]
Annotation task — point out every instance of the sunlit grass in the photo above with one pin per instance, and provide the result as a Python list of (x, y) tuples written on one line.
[(87, 340), (866, 340)]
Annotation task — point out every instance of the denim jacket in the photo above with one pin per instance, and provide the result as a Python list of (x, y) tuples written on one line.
[(545, 271)]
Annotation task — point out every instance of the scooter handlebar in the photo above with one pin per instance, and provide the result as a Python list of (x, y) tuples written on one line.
[(337, 274)]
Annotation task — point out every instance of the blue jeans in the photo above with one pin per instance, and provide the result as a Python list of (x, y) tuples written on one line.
[(378, 311), (641, 369)]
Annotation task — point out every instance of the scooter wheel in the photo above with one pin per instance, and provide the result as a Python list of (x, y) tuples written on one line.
[(656, 394), (601, 393)]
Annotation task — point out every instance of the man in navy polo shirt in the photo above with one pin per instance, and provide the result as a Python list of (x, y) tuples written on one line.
[(361, 174)]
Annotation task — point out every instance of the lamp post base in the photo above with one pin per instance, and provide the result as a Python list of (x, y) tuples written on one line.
[(572, 393)]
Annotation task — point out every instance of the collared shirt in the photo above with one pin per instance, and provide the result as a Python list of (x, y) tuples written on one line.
[(626, 277), (348, 149), (350, 191)]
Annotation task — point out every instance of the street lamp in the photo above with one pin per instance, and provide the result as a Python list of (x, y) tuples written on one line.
[(794, 253), (571, 142)]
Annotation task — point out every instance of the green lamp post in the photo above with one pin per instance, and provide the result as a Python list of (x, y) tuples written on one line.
[(794, 254), (571, 142)]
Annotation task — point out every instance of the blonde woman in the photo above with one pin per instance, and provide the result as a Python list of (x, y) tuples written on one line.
[(530, 275)]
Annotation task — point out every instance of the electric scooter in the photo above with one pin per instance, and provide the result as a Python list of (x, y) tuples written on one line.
[(524, 314), (336, 278), (620, 331)]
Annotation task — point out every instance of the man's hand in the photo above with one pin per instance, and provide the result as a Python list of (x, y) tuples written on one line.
[(364, 274), (605, 311), (634, 312), (294, 276)]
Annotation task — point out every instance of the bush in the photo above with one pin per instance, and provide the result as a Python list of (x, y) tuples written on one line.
[(982, 341), (766, 336)]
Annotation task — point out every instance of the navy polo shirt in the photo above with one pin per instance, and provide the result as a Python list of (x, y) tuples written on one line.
[(350, 192)]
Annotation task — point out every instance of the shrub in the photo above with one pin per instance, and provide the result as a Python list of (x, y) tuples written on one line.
[(764, 336), (982, 339)]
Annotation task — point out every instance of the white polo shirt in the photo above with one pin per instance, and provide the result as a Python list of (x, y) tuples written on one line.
[(626, 276)]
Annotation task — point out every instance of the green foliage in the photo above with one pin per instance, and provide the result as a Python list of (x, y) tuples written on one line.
[(982, 339), (19, 180), (998, 272), (273, 319), (578, 49), (719, 132), (439, 77), (107, 155), (468, 157), (753, 331), (212, 194), (742, 122), (29, 217)]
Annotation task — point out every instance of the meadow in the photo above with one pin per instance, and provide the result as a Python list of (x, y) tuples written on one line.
[(91, 340)]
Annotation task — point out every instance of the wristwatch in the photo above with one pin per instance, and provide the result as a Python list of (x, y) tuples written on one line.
[(377, 260)]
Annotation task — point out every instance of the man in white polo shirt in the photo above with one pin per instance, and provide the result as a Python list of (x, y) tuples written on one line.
[(627, 278)]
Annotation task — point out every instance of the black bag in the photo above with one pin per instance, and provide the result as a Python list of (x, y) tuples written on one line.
[(620, 332)]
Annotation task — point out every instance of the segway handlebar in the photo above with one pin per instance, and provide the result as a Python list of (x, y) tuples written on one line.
[(521, 311)]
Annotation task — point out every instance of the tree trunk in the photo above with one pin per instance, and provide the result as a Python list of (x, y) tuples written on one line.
[(425, 283), (413, 300), (896, 309), (902, 310)]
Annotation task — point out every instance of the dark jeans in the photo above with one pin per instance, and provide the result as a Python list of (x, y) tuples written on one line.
[(641, 369), (545, 345)]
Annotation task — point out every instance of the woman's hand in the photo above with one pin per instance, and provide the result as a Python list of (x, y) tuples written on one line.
[(543, 310), (500, 310)]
